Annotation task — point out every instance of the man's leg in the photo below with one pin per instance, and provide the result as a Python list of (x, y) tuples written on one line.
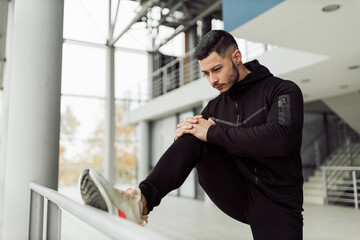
[(172, 169), (272, 221), (218, 175), (217, 172), (221, 179)]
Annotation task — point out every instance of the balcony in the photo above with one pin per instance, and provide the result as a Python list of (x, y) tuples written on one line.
[(180, 72)]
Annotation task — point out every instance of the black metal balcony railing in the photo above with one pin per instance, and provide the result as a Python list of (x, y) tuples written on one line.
[(336, 136)]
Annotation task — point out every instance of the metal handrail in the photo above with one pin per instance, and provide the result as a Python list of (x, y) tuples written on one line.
[(110, 225), (340, 168), (173, 62), (322, 147), (354, 183), (336, 176)]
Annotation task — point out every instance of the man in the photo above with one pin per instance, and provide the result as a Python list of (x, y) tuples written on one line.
[(245, 146)]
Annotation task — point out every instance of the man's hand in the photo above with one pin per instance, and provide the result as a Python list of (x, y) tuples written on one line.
[(198, 129), (185, 124)]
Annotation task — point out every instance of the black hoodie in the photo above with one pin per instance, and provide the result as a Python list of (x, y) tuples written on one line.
[(259, 121)]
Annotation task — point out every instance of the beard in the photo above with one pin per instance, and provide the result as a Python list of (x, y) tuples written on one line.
[(234, 78)]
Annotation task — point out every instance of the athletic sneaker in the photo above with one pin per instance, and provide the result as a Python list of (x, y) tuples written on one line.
[(97, 192)]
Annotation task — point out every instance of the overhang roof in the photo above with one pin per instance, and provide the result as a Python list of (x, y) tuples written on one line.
[(324, 45)]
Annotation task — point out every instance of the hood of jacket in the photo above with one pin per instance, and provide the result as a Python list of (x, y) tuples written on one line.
[(258, 73)]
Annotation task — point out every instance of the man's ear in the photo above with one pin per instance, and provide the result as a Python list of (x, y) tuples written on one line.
[(237, 57)]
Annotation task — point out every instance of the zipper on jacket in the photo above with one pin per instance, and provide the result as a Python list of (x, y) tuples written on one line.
[(237, 113)]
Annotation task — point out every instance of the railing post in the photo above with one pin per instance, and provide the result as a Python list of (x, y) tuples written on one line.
[(348, 149), (164, 82), (317, 153), (181, 72), (325, 186), (356, 201), (53, 226), (193, 64), (36, 216)]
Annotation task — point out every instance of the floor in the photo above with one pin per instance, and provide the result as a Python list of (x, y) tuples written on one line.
[(181, 218)]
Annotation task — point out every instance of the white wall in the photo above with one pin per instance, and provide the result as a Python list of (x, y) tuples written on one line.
[(347, 107), (161, 138), (188, 187)]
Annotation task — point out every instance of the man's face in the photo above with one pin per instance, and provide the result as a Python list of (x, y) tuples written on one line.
[(221, 73)]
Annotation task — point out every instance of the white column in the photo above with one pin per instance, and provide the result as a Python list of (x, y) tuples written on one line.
[(34, 108), (142, 150), (5, 107), (109, 151)]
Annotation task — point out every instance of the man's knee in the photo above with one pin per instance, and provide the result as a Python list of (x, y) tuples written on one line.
[(188, 140), (188, 137)]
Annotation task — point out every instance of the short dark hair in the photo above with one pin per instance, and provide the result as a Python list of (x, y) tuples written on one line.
[(215, 40)]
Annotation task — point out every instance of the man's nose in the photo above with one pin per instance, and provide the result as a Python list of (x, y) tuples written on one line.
[(213, 79)]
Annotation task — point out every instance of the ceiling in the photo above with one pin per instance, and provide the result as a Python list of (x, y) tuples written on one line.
[(316, 48), (325, 46), (176, 14)]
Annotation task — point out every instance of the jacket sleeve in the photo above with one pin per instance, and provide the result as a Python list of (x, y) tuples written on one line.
[(206, 112), (276, 137)]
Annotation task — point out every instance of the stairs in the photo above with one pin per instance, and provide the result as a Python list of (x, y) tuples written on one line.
[(314, 188)]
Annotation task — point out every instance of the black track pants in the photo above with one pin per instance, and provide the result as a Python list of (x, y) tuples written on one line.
[(221, 179)]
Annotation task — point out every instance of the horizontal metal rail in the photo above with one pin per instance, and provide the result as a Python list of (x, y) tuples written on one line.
[(110, 225), (340, 168)]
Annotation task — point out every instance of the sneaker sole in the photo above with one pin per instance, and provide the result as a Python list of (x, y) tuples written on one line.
[(90, 193)]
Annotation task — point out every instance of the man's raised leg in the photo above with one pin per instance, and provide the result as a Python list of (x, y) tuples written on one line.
[(218, 175), (217, 171)]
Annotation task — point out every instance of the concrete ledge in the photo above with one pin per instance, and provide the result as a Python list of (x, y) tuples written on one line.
[(181, 99)]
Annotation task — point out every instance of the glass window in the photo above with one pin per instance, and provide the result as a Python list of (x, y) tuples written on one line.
[(86, 20), (131, 71), (83, 70), (125, 149), (81, 137), (135, 36)]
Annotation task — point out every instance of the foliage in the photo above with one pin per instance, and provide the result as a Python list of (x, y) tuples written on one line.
[(91, 156)]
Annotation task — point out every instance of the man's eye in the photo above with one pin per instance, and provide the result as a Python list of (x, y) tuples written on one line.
[(206, 74), (216, 69)]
